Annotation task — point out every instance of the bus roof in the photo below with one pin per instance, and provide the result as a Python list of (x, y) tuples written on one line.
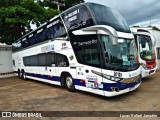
[(110, 17)]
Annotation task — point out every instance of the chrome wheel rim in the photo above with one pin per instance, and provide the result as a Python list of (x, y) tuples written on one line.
[(69, 82)]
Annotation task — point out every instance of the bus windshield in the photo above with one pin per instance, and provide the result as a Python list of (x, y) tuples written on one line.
[(109, 17), (146, 48), (123, 56)]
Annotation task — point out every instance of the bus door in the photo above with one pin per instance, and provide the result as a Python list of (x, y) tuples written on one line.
[(88, 53), (52, 69), (90, 73), (53, 73), (59, 63)]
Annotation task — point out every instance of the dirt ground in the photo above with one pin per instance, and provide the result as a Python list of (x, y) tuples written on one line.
[(28, 95)]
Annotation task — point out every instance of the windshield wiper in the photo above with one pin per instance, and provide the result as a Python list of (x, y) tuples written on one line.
[(125, 67), (119, 67)]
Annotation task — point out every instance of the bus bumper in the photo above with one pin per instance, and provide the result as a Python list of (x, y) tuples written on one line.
[(113, 93), (146, 73), (121, 88)]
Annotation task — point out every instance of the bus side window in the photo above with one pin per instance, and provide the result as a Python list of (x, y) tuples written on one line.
[(51, 59), (42, 59), (56, 30), (61, 60), (61, 31), (87, 49), (34, 60), (77, 18), (24, 43), (89, 55), (40, 36), (50, 33), (26, 61), (17, 45), (32, 40), (30, 60)]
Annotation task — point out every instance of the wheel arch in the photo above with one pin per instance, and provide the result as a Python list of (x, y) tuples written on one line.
[(62, 77)]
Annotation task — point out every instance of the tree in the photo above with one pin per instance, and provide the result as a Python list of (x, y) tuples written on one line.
[(16, 15), (70, 3), (155, 28), (61, 4)]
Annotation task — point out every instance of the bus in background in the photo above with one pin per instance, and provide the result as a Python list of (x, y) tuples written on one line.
[(82, 49), (156, 35), (146, 52)]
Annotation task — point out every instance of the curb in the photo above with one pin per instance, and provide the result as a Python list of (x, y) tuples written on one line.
[(7, 73)]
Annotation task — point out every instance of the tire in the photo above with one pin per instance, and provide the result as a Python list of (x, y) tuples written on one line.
[(19, 74), (69, 85), (23, 75)]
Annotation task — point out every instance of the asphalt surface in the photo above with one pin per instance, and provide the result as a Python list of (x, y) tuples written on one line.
[(29, 95)]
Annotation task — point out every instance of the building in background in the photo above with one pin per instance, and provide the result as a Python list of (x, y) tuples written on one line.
[(6, 64)]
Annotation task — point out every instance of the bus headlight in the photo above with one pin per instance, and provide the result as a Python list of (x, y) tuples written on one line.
[(112, 78), (116, 79)]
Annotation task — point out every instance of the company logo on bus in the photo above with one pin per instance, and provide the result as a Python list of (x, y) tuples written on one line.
[(47, 48), (52, 47)]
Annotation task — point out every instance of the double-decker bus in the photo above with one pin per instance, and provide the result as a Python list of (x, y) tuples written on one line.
[(146, 52), (88, 47)]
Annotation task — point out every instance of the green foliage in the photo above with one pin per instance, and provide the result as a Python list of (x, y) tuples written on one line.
[(51, 12), (155, 28), (70, 3), (16, 15), (63, 4)]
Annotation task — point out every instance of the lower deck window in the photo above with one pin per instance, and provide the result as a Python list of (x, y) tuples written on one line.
[(46, 59), (89, 55)]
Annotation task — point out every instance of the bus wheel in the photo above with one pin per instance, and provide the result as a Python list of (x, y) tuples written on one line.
[(69, 84), (19, 73), (23, 75)]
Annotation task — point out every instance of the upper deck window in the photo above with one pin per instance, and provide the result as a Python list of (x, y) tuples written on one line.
[(77, 18), (49, 31), (104, 15), (55, 29)]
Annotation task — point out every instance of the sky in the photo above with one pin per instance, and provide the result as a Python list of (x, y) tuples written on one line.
[(135, 12)]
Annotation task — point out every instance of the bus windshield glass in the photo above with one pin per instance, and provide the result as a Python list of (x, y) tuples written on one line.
[(146, 48), (123, 56), (109, 17)]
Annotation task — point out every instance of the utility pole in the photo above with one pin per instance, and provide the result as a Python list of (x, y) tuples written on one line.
[(58, 4), (150, 18)]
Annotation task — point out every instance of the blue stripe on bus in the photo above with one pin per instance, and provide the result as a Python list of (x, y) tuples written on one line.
[(47, 77), (54, 78), (106, 86), (79, 82)]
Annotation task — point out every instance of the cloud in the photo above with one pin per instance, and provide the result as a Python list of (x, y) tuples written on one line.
[(136, 12)]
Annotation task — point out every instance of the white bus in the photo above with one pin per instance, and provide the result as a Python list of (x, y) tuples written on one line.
[(88, 47), (146, 52)]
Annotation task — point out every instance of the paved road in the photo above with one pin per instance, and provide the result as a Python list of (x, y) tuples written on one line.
[(29, 95)]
